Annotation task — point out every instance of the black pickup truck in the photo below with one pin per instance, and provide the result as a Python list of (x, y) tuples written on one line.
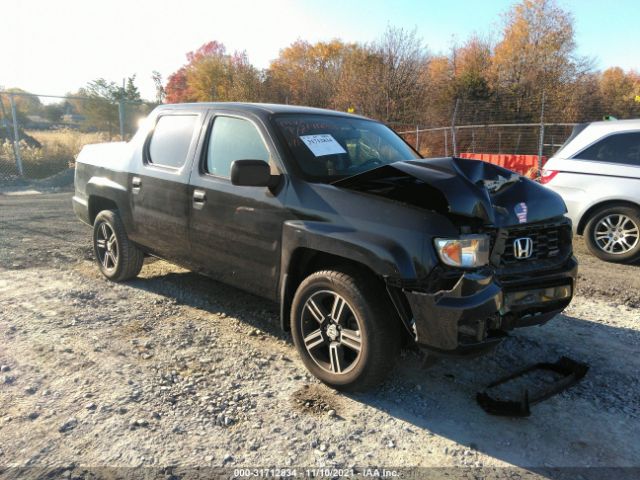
[(363, 243)]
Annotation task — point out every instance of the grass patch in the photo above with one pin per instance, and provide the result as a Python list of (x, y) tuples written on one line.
[(58, 152)]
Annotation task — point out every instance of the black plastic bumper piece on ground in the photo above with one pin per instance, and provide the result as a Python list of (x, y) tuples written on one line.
[(572, 372)]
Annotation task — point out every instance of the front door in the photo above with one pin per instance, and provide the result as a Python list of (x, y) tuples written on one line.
[(236, 231)]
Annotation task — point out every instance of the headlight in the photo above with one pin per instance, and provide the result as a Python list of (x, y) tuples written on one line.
[(467, 251)]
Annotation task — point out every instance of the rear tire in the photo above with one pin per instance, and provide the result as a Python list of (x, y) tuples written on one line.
[(118, 258), (612, 234), (345, 330)]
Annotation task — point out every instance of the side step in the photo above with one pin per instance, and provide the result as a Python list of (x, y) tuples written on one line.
[(570, 370)]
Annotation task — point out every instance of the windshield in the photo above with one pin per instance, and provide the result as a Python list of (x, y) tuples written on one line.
[(327, 148)]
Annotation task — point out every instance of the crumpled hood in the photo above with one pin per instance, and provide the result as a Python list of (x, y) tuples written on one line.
[(464, 187)]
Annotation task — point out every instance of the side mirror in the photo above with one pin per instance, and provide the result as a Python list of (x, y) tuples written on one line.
[(250, 173)]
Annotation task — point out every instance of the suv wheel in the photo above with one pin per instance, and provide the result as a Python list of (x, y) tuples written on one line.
[(118, 258), (613, 234), (344, 329)]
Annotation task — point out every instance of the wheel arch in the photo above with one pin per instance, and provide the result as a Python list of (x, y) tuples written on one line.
[(586, 216), (305, 261), (308, 247), (97, 203), (106, 194)]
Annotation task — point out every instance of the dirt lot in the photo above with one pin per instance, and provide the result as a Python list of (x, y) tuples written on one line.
[(176, 369)]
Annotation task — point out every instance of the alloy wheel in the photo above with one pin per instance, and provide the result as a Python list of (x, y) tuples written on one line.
[(331, 332), (616, 234), (107, 246)]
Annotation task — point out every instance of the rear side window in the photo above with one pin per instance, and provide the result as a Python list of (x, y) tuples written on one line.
[(171, 140), (623, 148), (233, 139), (574, 133)]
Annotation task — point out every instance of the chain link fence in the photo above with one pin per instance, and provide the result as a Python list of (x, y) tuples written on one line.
[(41, 135), (506, 138), (493, 129)]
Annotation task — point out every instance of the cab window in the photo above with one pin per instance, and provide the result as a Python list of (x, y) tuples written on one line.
[(233, 139), (171, 139)]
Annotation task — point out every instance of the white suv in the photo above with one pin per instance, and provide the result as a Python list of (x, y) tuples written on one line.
[(597, 173)]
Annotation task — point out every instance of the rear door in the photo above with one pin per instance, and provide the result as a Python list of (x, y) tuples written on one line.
[(236, 231), (159, 188)]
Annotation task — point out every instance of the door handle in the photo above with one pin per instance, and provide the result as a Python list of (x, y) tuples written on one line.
[(136, 183), (199, 199)]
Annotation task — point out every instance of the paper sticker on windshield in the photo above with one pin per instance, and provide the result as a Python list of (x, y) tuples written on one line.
[(321, 145)]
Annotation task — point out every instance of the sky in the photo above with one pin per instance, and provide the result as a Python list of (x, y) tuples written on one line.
[(56, 46)]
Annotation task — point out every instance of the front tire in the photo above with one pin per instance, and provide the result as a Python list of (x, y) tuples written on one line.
[(613, 234), (118, 258), (344, 329)]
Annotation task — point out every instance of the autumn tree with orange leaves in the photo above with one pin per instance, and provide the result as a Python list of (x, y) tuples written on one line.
[(307, 74), (398, 80), (212, 75)]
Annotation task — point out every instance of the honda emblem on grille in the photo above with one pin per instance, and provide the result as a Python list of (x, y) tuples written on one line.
[(522, 248)]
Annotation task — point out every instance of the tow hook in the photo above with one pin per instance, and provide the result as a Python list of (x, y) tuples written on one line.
[(570, 371)]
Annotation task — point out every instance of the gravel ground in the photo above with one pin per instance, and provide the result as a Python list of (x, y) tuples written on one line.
[(174, 369)]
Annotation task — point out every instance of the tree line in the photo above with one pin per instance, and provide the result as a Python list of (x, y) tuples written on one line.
[(94, 107), (398, 80)]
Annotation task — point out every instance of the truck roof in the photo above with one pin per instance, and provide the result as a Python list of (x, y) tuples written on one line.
[(259, 108)]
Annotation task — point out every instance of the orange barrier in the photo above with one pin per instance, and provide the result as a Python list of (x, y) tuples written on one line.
[(522, 164)]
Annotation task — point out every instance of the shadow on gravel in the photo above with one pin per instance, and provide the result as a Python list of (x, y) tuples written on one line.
[(204, 293)]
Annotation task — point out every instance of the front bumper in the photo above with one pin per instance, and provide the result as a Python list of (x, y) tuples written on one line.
[(480, 308)]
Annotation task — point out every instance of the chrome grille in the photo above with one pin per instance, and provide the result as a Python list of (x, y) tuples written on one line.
[(549, 242)]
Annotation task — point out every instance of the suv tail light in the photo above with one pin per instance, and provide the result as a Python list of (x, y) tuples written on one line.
[(547, 176)]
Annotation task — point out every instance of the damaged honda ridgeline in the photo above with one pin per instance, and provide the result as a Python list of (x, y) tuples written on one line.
[(364, 244)]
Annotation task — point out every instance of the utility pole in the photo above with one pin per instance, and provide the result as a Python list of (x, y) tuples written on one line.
[(541, 140), (121, 118), (5, 121), (121, 112), (16, 135), (453, 128), (446, 147)]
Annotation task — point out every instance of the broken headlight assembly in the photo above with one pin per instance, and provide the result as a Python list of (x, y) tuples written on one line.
[(466, 251)]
